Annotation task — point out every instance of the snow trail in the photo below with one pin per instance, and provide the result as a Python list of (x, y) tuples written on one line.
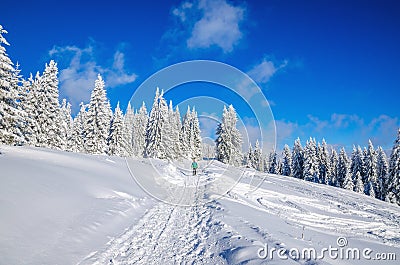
[(168, 234)]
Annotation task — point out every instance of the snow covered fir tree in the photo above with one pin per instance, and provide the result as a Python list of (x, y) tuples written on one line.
[(32, 113), (229, 139), (10, 110), (98, 120)]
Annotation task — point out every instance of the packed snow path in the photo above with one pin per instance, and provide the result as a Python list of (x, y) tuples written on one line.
[(169, 234)]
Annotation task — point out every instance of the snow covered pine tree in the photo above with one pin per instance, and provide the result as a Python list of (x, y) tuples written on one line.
[(154, 130), (98, 120), (229, 140), (10, 131)]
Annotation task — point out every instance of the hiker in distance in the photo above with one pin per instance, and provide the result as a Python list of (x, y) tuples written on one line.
[(194, 167)]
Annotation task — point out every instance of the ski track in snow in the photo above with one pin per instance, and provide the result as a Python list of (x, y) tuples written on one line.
[(168, 234)]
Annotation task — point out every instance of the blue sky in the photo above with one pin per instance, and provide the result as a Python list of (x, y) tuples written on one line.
[(329, 68)]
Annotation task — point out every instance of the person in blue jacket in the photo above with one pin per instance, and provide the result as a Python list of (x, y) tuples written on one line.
[(194, 167)]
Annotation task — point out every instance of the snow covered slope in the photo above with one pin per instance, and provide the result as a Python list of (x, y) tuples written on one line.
[(65, 208), (56, 207)]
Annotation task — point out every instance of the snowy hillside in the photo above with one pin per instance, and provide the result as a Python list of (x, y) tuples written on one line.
[(66, 208)]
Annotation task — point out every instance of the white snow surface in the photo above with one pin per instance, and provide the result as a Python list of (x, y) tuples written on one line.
[(65, 208)]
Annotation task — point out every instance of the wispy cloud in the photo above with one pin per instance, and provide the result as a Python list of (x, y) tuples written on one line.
[(261, 73), (211, 23), (345, 120), (117, 75), (82, 67), (317, 124), (181, 11)]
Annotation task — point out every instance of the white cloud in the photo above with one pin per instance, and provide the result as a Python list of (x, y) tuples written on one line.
[(211, 22), (117, 75), (318, 124), (261, 73), (77, 79), (345, 120), (182, 10)]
